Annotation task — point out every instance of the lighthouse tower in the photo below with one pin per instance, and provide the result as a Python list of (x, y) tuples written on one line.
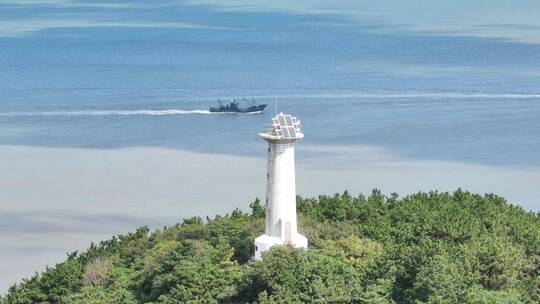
[(281, 227)]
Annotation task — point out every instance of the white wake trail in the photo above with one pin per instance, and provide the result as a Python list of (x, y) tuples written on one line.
[(108, 113), (411, 95)]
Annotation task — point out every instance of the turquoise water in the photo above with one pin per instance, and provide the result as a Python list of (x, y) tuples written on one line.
[(109, 74)]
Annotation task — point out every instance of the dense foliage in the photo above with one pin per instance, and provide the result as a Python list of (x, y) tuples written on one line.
[(425, 248)]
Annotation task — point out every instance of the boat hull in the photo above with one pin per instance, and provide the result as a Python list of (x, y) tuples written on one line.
[(251, 109)]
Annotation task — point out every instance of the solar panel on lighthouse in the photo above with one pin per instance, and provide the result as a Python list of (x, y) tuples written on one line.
[(287, 126)]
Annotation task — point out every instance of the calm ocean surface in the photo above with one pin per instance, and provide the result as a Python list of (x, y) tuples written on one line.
[(111, 75)]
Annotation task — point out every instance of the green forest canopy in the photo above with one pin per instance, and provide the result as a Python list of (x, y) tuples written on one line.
[(424, 248)]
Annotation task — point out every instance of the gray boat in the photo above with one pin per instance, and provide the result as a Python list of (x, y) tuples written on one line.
[(234, 107)]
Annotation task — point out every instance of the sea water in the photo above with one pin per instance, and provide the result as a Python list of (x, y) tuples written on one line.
[(66, 81)]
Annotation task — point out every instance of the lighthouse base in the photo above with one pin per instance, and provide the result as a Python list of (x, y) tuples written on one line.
[(264, 242)]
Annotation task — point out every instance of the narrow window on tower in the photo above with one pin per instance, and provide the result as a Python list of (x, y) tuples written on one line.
[(268, 149)]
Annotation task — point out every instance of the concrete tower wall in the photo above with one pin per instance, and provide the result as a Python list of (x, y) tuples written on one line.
[(280, 189)]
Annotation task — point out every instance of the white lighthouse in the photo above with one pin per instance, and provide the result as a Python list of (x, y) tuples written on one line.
[(281, 227)]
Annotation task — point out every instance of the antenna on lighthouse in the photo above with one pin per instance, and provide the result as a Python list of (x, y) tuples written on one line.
[(281, 222)]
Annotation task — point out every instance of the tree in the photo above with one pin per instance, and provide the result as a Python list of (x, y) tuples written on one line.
[(289, 275), (192, 272), (97, 272), (257, 210), (100, 295), (423, 248)]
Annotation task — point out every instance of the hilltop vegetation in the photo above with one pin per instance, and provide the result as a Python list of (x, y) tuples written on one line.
[(425, 248)]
